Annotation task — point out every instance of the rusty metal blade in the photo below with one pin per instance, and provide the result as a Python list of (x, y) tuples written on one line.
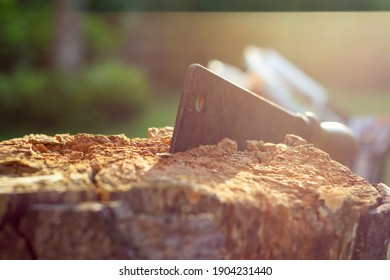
[(212, 108)]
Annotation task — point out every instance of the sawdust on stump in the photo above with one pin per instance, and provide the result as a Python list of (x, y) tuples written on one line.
[(109, 197)]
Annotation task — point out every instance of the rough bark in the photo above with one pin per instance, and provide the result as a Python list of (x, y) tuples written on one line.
[(109, 197)]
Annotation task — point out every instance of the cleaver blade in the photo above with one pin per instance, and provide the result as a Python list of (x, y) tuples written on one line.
[(212, 108)]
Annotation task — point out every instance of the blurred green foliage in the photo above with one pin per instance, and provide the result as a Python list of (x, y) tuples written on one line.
[(25, 35), (37, 98), (239, 5), (88, 100), (103, 36)]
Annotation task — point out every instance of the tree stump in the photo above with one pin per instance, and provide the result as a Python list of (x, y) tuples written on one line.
[(109, 197)]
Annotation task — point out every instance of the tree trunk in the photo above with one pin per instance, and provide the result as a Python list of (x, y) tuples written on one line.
[(109, 197), (68, 41)]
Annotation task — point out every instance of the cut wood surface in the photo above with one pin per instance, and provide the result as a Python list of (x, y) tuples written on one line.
[(90, 196)]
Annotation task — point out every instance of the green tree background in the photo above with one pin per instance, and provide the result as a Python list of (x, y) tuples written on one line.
[(41, 94)]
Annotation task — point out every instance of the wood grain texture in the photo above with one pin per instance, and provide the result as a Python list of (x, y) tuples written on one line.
[(109, 197)]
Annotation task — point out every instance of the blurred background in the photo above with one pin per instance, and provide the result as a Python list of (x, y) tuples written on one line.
[(69, 66)]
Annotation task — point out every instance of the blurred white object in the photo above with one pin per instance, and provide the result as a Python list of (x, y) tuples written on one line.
[(374, 136), (274, 87), (228, 71), (287, 85)]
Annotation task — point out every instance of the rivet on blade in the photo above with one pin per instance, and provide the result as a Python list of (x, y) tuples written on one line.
[(199, 103)]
